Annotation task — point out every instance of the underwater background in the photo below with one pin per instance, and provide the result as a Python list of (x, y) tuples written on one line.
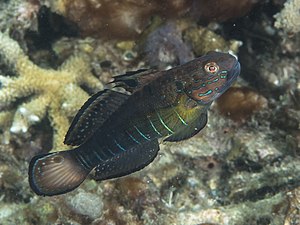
[(242, 169)]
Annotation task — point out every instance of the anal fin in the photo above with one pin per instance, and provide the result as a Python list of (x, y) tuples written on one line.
[(130, 161)]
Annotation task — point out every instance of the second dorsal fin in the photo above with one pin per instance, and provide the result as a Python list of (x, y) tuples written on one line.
[(95, 111), (134, 80)]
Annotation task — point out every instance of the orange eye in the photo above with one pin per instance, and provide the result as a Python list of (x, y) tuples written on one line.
[(211, 67)]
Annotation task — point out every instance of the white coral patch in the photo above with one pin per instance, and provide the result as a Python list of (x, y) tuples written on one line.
[(33, 118), (19, 126), (4, 81), (289, 17)]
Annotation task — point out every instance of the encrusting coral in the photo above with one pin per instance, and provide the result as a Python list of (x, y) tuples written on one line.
[(204, 40), (239, 103), (289, 18), (56, 94)]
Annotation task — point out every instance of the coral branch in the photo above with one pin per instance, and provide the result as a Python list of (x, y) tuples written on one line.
[(53, 93)]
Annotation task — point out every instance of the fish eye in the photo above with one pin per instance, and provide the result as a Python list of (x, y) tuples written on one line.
[(211, 67)]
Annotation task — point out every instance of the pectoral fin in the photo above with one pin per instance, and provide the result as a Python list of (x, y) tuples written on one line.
[(128, 162), (190, 130)]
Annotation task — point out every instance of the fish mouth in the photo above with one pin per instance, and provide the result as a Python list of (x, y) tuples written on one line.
[(232, 76), (235, 72)]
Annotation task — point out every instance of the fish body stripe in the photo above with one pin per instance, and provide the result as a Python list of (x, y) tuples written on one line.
[(214, 81), (163, 123), (83, 161), (154, 128), (97, 155), (205, 94), (224, 74), (105, 154), (180, 118), (119, 146), (199, 86), (111, 151), (143, 135), (136, 141)]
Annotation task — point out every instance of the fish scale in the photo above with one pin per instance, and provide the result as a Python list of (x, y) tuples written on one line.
[(115, 134)]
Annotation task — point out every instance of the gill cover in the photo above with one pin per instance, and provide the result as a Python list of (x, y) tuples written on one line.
[(215, 76)]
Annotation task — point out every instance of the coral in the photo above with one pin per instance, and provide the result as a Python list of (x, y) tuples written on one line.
[(221, 10), (11, 177), (204, 40), (127, 19), (13, 14), (47, 92), (172, 43), (106, 58), (132, 188), (87, 204), (289, 18), (17, 17), (239, 103), (111, 19), (230, 174), (293, 213), (164, 47), (27, 14), (231, 216)]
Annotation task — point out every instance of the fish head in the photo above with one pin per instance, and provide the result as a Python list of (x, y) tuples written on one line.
[(215, 73)]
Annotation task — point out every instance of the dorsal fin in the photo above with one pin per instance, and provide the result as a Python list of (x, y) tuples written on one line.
[(134, 80), (95, 111)]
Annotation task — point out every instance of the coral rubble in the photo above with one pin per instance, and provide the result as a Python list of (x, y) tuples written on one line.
[(293, 213), (49, 92), (78, 204)]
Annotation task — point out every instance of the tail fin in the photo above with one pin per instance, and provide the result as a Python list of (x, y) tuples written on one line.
[(56, 173)]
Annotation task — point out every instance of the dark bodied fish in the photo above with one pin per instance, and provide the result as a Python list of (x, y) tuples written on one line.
[(117, 133)]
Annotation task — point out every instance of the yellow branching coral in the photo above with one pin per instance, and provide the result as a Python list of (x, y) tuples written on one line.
[(53, 93)]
